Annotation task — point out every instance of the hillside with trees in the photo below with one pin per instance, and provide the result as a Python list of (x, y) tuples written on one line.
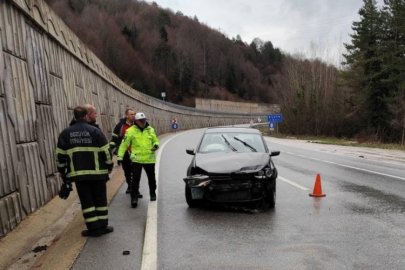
[(157, 50)]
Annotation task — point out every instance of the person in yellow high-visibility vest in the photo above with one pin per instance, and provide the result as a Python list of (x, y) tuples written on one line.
[(142, 139)]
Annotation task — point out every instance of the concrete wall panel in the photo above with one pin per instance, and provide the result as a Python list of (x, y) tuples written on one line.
[(47, 137), (54, 183), (68, 80), (31, 178), (38, 66), (59, 103), (10, 213), (53, 56), (2, 65), (8, 153), (12, 25), (20, 97)]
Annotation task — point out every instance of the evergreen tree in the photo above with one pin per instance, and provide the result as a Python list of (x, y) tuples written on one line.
[(363, 54), (393, 58)]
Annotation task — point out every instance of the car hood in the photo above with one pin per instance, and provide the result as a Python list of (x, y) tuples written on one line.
[(232, 162)]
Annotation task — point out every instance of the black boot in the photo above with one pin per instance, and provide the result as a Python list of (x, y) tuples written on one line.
[(92, 233), (140, 196), (153, 196), (128, 189), (107, 229), (134, 202)]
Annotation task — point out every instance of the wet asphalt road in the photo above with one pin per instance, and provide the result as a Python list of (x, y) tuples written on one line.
[(360, 224)]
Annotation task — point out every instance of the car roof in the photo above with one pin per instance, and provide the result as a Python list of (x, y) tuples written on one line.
[(232, 129)]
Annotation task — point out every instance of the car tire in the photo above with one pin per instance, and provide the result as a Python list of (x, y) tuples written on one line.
[(191, 203), (269, 201), (272, 197)]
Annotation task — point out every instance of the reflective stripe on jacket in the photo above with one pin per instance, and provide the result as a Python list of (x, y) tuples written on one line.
[(83, 153), (141, 143)]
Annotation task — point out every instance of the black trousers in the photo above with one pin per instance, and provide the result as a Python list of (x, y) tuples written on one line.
[(136, 177), (93, 198), (126, 166)]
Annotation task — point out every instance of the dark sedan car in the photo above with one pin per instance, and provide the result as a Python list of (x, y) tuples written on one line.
[(231, 166)]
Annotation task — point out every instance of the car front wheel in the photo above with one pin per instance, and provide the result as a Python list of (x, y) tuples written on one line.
[(269, 200)]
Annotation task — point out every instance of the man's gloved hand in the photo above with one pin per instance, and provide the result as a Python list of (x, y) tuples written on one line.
[(154, 148), (65, 190), (119, 162)]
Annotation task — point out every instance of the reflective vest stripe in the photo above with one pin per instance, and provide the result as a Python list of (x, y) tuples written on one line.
[(106, 149), (96, 163), (85, 149), (88, 210), (93, 219), (86, 172), (60, 151), (72, 166), (115, 135)]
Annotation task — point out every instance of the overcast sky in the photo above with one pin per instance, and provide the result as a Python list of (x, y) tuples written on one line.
[(290, 25)]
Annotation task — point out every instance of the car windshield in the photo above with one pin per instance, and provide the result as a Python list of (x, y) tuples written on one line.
[(232, 142)]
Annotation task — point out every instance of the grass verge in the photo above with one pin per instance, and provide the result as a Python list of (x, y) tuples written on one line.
[(331, 140)]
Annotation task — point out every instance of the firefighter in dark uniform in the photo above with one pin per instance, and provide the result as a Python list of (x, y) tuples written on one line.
[(117, 136), (83, 156)]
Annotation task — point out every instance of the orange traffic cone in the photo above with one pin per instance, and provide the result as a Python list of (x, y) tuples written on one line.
[(317, 188)]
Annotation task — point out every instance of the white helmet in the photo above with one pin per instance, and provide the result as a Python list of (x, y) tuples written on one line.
[(140, 116)]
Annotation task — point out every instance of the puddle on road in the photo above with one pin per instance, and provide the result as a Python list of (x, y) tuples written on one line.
[(376, 200)]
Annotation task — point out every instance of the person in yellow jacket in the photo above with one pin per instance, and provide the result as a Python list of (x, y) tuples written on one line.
[(142, 139)]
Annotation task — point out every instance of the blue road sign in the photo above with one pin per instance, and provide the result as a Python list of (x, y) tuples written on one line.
[(175, 126), (275, 118)]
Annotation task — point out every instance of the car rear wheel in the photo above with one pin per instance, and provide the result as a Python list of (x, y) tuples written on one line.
[(189, 199)]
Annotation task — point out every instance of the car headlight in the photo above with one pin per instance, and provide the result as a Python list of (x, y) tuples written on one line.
[(197, 180), (264, 173)]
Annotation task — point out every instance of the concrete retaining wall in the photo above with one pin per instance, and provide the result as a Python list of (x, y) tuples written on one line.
[(45, 71), (236, 107)]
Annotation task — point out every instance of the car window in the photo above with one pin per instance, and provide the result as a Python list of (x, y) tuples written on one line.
[(232, 142)]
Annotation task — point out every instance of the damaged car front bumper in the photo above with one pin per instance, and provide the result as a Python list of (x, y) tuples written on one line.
[(229, 188)]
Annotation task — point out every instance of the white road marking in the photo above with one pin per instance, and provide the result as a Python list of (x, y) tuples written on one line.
[(149, 254), (347, 166), (292, 183)]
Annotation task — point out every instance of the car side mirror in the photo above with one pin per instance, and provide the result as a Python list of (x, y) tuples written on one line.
[(190, 151), (274, 153)]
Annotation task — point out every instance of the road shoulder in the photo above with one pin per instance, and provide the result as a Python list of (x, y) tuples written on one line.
[(54, 230), (376, 154)]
